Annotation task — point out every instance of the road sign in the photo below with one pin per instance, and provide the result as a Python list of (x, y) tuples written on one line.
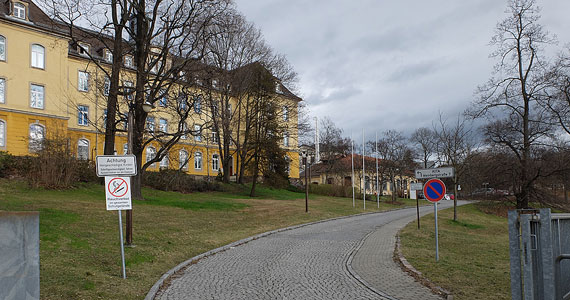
[(435, 173), (116, 165), (118, 193), (416, 186), (434, 190)]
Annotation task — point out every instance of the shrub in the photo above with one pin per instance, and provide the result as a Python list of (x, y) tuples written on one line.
[(53, 166), (174, 180), (330, 190)]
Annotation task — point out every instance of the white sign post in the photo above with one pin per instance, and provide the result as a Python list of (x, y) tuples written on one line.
[(117, 188), (435, 173)]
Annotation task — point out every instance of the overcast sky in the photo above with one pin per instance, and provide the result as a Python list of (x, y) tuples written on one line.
[(382, 64)]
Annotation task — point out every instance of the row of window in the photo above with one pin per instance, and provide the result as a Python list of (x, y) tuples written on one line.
[(36, 136), (183, 159), (37, 54)]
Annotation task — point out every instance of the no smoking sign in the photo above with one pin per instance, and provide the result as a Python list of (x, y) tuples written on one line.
[(118, 193)]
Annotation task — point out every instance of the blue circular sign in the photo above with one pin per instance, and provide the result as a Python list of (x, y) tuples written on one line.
[(434, 190)]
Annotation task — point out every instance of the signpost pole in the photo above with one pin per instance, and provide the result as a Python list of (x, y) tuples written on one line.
[(363, 173), (436, 233), (418, 209), (122, 246)]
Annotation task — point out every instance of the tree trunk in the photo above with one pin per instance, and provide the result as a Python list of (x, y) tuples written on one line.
[(255, 175), (455, 196)]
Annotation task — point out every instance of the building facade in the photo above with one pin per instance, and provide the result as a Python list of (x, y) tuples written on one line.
[(49, 87)]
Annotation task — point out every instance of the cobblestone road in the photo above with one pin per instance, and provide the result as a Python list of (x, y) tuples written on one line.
[(309, 262)]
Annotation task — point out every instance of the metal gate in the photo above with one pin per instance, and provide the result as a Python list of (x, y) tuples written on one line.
[(539, 245)]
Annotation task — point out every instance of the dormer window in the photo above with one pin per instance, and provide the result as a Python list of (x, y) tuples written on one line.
[(129, 61), (19, 10), (108, 55), (83, 49), (278, 89)]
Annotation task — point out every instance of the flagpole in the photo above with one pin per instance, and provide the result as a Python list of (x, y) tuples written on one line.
[(352, 164), (363, 173), (377, 187)]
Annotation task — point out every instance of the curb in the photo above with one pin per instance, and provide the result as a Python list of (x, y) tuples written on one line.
[(177, 271), (408, 268), (356, 276)]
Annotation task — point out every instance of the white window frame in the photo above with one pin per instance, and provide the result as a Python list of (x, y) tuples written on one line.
[(106, 86), (215, 162), (33, 93), (3, 48), (2, 90), (163, 101), (150, 153), (83, 49), (125, 148), (164, 162), (79, 145), (83, 115), (19, 10), (108, 55), (286, 139), (2, 133), (198, 160), (214, 136), (37, 56), (82, 81), (183, 164), (198, 136), (129, 86), (32, 147), (128, 61), (285, 113), (150, 124), (163, 126), (198, 104)]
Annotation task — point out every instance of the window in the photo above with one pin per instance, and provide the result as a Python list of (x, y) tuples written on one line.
[(125, 149), (163, 125), (164, 162), (38, 56), (36, 96), (2, 48), (19, 11), (286, 139), (285, 113), (198, 104), (214, 137), (183, 159), (288, 161), (278, 88), (197, 133), (182, 102), (150, 124), (128, 61), (83, 49), (83, 149), (198, 160), (215, 162), (37, 134), (163, 101), (2, 90), (184, 131), (83, 81), (214, 108), (2, 133), (83, 115), (214, 83), (150, 153), (106, 86), (108, 56), (129, 89)]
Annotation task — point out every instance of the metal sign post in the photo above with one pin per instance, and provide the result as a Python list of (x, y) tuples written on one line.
[(434, 190), (118, 189)]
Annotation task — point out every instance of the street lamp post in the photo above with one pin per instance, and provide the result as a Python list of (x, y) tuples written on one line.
[(304, 155)]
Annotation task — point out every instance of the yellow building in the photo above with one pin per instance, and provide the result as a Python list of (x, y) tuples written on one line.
[(48, 88)]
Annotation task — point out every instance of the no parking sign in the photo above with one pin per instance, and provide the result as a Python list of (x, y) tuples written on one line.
[(434, 190)]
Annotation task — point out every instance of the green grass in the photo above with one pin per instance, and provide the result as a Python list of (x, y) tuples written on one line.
[(474, 253), (79, 249)]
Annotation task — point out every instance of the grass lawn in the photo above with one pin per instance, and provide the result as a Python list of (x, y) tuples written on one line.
[(473, 253), (79, 239)]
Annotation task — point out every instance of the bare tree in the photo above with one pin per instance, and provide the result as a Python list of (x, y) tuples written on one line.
[(424, 139), (454, 144), (394, 151), (517, 87)]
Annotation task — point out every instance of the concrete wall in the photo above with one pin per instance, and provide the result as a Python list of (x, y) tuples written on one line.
[(19, 255)]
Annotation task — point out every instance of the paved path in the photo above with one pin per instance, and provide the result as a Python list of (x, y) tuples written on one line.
[(310, 262)]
